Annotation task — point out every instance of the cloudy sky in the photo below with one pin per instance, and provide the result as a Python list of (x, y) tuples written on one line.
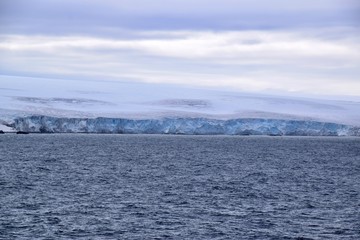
[(274, 46)]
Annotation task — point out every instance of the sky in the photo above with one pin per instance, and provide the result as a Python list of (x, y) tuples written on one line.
[(272, 46)]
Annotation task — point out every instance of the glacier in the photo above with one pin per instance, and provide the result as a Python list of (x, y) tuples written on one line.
[(127, 107), (186, 126)]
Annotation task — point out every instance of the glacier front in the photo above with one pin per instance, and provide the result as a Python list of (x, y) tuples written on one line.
[(187, 126), (120, 107)]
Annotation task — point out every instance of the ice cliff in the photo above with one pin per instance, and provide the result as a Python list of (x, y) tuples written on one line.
[(188, 126)]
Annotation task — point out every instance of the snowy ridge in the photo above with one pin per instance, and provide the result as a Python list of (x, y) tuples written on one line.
[(188, 126)]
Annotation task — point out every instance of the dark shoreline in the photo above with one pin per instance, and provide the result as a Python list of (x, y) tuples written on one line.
[(182, 135)]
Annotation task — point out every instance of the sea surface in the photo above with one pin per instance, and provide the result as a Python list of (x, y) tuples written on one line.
[(78, 186)]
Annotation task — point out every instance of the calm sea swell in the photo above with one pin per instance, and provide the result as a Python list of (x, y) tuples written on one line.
[(68, 186)]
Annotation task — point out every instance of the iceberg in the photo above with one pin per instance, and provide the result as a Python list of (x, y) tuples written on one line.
[(187, 126)]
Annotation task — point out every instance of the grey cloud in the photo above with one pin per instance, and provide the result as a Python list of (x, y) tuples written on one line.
[(107, 17), (321, 55)]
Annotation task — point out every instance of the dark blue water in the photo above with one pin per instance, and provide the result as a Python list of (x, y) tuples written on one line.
[(178, 187)]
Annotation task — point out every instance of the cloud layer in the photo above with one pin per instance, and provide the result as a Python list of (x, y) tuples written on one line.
[(292, 46), (247, 60), (107, 17)]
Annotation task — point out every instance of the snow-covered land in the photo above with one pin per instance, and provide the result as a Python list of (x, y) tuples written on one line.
[(53, 105)]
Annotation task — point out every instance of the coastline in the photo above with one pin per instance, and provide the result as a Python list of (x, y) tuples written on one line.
[(181, 126)]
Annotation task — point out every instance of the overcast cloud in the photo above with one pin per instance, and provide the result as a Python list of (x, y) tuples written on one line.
[(302, 46)]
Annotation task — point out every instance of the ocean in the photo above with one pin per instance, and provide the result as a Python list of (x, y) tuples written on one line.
[(98, 186)]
